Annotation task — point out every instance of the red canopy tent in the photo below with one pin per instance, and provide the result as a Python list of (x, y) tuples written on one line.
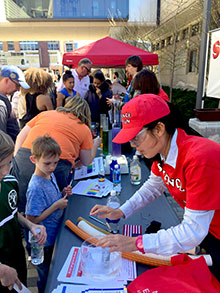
[(108, 52)]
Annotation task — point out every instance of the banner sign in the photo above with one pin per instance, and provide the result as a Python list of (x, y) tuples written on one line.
[(213, 86)]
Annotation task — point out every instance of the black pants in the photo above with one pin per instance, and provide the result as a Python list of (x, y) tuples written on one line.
[(212, 244)]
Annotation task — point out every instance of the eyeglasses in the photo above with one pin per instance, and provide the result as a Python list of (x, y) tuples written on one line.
[(136, 138), (17, 84), (88, 70)]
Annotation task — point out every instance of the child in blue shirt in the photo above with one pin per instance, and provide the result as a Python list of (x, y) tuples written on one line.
[(45, 203), (68, 90)]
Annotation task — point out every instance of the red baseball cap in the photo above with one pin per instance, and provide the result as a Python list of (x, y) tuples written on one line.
[(138, 112)]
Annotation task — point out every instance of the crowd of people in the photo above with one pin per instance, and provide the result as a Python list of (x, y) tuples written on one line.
[(48, 134)]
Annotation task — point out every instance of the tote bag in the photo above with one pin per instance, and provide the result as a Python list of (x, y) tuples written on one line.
[(185, 276)]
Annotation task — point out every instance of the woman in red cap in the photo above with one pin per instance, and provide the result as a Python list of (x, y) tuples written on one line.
[(188, 166)]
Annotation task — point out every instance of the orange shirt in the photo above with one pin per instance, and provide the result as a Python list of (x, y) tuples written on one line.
[(65, 129)]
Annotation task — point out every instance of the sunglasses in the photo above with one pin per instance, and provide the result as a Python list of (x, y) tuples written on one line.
[(136, 138), (17, 84), (88, 70)]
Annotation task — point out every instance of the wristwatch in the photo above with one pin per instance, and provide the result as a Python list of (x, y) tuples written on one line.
[(139, 244)]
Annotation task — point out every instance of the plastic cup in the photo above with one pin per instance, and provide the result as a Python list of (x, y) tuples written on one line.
[(99, 264)]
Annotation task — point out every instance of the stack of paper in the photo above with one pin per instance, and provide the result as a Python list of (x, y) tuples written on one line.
[(92, 187), (67, 288), (71, 272), (89, 171)]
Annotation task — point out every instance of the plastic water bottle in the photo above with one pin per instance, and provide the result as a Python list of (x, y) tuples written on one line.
[(101, 177), (113, 202), (135, 171), (112, 166), (37, 250), (117, 178)]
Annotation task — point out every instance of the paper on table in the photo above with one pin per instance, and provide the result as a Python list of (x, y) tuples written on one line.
[(89, 171), (23, 290), (71, 272), (92, 187), (68, 288)]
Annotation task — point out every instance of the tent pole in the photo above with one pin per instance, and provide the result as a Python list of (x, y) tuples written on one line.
[(203, 46), (158, 68)]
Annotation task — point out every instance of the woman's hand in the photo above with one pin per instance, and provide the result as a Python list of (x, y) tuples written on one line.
[(106, 212), (9, 277), (42, 236), (99, 93), (118, 243), (97, 141)]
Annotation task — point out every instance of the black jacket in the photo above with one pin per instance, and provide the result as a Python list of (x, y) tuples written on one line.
[(98, 106)]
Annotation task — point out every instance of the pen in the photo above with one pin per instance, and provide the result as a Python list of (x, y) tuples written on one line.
[(71, 182), (97, 220)]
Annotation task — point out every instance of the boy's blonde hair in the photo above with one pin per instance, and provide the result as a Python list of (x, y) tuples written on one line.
[(45, 146), (6, 145)]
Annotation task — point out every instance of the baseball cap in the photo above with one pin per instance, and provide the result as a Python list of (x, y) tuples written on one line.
[(138, 112), (14, 73)]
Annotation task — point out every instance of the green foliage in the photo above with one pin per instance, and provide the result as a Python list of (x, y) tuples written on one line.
[(185, 100)]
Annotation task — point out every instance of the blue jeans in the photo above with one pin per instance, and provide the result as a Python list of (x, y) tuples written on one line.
[(43, 269), (62, 173)]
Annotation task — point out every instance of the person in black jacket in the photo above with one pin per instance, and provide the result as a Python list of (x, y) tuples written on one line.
[(97, 96)]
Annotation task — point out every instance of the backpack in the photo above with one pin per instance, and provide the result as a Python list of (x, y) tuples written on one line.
[(12, 127)]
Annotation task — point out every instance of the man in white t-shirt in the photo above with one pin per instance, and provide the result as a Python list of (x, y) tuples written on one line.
[(81, 77)]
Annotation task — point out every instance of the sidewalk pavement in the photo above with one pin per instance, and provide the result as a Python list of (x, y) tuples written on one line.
[(175, 206), (31, 274)]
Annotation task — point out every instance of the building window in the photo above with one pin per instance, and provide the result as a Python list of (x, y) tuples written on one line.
[(169, 40), (192, 60), (11, 46), (69, 47), (177, 37), (185, 33), (1, 46), (17, 54), (28, 45), (53, 45), (195, 29), (95, 8), (113, 7)]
